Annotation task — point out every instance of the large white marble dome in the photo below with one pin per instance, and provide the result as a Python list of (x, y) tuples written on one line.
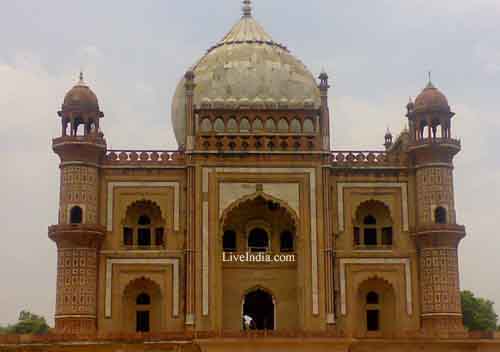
[(246, 67)]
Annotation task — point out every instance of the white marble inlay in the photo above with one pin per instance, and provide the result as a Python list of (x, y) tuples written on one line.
[(112, 185), (375, 261), (401, 185), (205, 268), (176, 279)]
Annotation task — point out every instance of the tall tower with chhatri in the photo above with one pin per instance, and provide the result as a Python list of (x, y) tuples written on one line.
[(255, 224)]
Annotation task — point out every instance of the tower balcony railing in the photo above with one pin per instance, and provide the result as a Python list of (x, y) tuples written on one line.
[(439, 141), (119, 157)]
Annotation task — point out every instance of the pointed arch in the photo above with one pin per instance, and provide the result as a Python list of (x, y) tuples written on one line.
[(252, 197)]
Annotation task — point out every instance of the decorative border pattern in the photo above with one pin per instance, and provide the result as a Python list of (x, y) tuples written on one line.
[(388, 261), (404, 198), (314, 235), (176, 280), (112, 185)]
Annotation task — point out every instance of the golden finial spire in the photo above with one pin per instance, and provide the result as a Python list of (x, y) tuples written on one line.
[(247, 8)]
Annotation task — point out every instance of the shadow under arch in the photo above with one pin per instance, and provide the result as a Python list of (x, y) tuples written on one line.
[(145, 203), (366, 204), (252, 197)]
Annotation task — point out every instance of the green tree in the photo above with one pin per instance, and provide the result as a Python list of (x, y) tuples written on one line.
[(478, 313), (28, 323)]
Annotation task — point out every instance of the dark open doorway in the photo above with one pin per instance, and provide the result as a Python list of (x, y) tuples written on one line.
[(142, 322), (259, 305)]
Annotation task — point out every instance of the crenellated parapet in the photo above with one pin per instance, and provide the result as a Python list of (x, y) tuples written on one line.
[(143, 157), (373, 158)]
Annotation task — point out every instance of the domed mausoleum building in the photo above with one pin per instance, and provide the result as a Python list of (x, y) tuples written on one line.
[(255, 225)]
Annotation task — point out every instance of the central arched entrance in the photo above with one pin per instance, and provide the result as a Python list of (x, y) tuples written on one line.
[(259, 306), (260, 228)]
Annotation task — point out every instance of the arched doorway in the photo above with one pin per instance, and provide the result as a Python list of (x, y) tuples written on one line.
[(377, 308), (255, 224), (260, 307), (142, 306)]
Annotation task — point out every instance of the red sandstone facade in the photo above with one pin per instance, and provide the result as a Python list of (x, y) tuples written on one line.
[(141, 234)]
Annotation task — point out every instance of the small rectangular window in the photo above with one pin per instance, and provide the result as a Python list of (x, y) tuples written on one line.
[(387, 236), (159, 237), (128, 236)]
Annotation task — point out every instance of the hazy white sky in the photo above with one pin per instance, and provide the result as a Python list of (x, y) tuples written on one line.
[(377, 53)]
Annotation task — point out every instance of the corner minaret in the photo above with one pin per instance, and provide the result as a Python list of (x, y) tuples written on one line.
[(437, 234), (78, 234), (324, 86)]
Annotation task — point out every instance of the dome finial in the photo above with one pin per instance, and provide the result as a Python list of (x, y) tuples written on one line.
[(81, 82), (429, 83), (247, 8)]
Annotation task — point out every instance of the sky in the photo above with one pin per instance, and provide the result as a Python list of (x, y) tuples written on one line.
[(133, 53)]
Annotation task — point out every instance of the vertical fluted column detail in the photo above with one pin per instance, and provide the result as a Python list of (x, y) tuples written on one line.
[(190, 247), (327, 228)]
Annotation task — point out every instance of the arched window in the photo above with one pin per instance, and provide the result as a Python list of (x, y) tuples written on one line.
[(286, 242), (144, 231), (232, 125), (244, 125), (143, 300), (206, 125), (370, 233), (372, 298), (128, 236), (308, 126), (372, 226), (370, 220), (219, 125), (257, 125), (143, 226), (229, 241), (144, 220), (283, 125), (270, 125), (295, 126), (258, 240), (159, 236), (76, 215), (440, 216)]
